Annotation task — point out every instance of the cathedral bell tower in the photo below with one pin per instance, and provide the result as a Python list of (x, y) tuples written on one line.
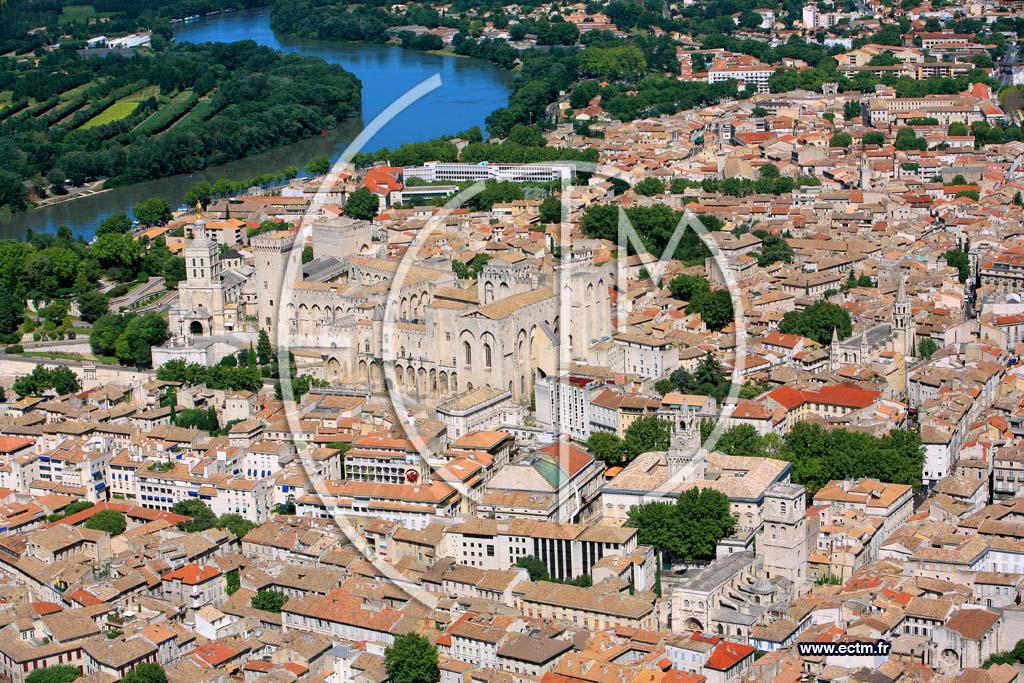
[(686, 458), (903, 326)]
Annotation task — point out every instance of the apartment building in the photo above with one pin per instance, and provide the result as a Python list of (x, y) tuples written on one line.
[(194, 586), (745, 69), (590, 608), (892, 503), (567, 550), (439, 171)]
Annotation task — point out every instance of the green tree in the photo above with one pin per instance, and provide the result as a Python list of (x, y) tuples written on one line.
[(154, 211), (142, 332), (742, 440), (105, 333), (202, 517), (1014, 656), (61, 379), (117, 250), (232, 582), (54, 674), (583, 93), (145, 673), (201, 192), (819, 455), (318, 165), (551, 210), (264, 351), (412, 659), (851, 110), (114, 224), (12, 312), (527, 136), (362, 204), (715, 309), (927, 348), (774, 248), (64, 381), (236, 524), (840, 140), (958, 258), (875, 137), (650, 187), (906, 139), (646, 434), (111, 521), (606, 447), (709, 378), (92, 305), (817, 322), (688, 529), (958, 129), (688, 287), (537, 570)]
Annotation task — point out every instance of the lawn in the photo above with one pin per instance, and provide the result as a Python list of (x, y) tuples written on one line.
[(85, 13), (115, 112)]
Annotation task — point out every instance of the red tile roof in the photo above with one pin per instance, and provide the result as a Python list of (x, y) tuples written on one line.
[(192, 574), (727, 655), (568, 456)]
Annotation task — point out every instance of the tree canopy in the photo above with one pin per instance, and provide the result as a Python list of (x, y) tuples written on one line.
[(145, 673), (111, 521), (817, 322), (54, 674), (362, 204), (60, 379), (412, 659), (819, 455), (687, 529), (269, 600)]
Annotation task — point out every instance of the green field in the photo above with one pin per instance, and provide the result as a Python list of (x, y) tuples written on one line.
[(198, 113), (115, 112), (178, 106), (85, 13), (145, 93), (123, 107), (69, 95)]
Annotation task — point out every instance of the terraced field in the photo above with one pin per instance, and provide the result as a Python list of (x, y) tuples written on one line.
[(198, 113), (123, 107), (115, 112), (167, 115)]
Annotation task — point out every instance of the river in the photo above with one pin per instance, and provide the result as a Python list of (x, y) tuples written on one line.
[(470, 90)]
